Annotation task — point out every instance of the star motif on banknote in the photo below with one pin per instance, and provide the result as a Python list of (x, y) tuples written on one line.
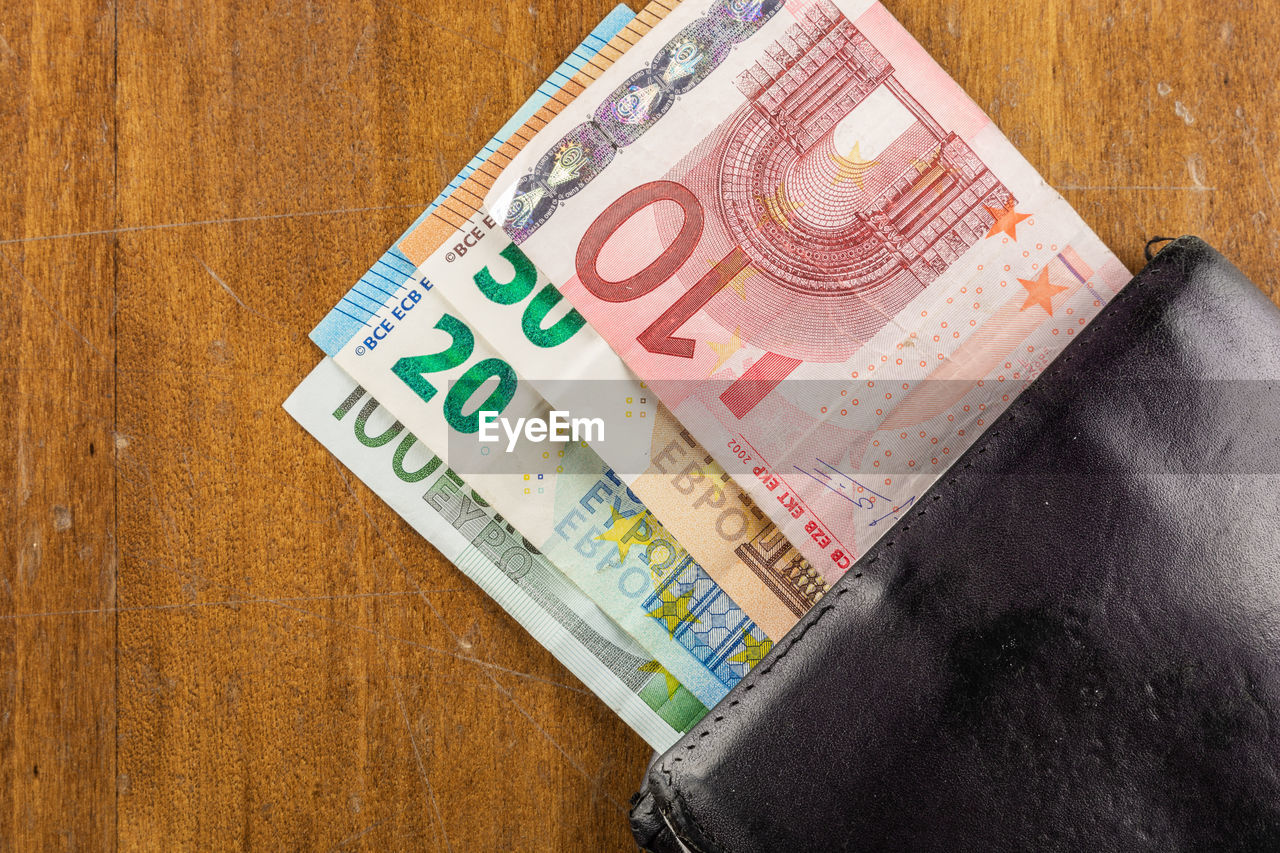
[(1040, 291), (673, 610), (777, 208), (738, 284), (851, 168), (673, 684), (753, 650), (619, 527), (724, 351), (1006, 219)]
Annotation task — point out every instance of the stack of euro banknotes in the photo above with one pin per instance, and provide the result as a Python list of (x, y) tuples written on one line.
[(781, 271)]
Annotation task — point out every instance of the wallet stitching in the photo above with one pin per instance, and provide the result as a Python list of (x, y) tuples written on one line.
[(1103, 321)]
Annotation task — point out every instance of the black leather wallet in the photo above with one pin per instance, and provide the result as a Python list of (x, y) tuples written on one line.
[(1073, 643)]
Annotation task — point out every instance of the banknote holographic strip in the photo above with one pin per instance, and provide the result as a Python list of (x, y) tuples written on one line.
[(632, 109)]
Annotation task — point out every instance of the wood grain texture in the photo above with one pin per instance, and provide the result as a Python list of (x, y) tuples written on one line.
[(211, 635)]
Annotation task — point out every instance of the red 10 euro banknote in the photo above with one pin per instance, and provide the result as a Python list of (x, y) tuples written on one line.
[(812, 246)]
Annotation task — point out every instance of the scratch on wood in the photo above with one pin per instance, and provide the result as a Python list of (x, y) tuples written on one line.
[(188, 605), (422, 769), (361, 833), (196, 223), (290, 333)]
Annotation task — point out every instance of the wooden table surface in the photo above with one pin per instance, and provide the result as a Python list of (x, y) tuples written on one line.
[(212, 635)]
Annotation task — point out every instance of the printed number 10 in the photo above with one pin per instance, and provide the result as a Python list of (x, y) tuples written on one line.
[(660, 337)]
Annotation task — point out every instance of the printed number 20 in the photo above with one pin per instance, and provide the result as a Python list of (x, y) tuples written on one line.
[(412, 370)]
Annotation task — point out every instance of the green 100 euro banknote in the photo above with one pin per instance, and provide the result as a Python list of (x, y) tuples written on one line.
[(438, 504)]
